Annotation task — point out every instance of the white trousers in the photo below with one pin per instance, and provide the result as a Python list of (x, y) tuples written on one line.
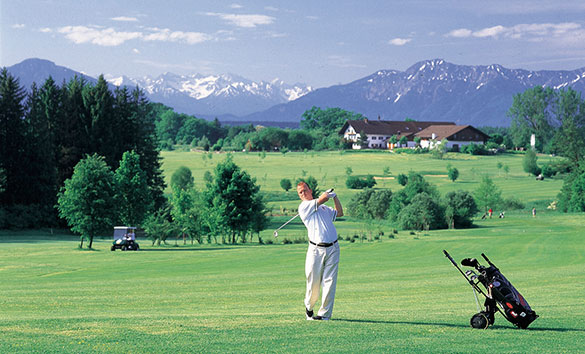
[(321, 270)]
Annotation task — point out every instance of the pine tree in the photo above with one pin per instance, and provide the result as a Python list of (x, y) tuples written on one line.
[(12, 141), (134, 198)]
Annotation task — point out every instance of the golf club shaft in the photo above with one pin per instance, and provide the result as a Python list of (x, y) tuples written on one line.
[(283, 225)]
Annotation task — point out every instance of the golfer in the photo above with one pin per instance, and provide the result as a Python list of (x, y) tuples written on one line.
[(323, 253)]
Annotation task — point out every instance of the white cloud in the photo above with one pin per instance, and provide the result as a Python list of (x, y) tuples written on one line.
[(111, 37), (490, 32), (271, 8), (166, 35), (45, 30), (236, 6), (247, 21), (532, 32), (18, 25), (399, 41), (124, 19), (104, 37), (460, 33), (135, 51)]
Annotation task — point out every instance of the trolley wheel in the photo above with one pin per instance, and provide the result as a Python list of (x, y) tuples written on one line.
[(479, 321)]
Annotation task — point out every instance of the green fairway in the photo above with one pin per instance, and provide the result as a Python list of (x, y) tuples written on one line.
[(397, 295), (393, 295)]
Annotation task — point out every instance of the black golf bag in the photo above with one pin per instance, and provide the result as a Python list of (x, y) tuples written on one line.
[(500, 295)]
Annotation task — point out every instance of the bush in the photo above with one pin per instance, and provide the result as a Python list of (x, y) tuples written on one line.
[(402, 179), (355, 182), (474, 149), (512, 204), (548, 171), (423, 213)]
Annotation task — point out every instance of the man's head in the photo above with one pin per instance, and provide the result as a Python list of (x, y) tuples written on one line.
[(304, 192)]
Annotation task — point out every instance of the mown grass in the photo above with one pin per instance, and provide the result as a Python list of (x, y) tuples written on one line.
[(393, 295), (397, 294), (329, 168)]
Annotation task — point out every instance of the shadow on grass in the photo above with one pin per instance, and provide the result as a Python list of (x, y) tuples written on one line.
[(176, 249), (439, 324), (402, 322)]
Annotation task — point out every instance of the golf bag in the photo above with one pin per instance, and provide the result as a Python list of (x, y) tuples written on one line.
[(500, 295)]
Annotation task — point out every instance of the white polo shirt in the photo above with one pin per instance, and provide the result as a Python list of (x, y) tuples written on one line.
[(319, 221)]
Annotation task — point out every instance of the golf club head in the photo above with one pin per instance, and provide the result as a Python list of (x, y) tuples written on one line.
[(275, 234), (469, 262)]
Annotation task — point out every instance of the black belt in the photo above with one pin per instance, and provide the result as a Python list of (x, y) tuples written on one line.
[(323, 244)]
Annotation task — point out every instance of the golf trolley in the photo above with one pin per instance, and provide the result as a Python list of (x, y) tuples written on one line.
[(500, 295)]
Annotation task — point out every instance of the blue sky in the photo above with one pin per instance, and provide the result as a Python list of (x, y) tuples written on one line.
[(320, 43)]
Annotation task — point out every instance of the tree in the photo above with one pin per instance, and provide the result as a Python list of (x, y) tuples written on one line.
[(363, 140), (182, 178), (12, 131), (329, 120), (402, 179), (572, 194), (439, 149), (487, 195), (529, 163), (87, 201), (423, 213), (453, 173), (285, 184), (186, 212), (312, 183), (105, 135), (157, 227), (236, 195), (569, 140), (135, 200), (531, 113), (460, 209), (357, 207), (403, 141)]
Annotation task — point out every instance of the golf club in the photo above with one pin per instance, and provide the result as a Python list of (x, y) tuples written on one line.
[(283, 225), (294, 217)]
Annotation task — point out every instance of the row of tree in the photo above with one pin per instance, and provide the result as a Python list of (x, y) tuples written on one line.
[(231, 206), (319, 131), (46, 131)]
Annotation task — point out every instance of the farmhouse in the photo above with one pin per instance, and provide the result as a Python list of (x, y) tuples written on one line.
[(379, 133), (456, 135)]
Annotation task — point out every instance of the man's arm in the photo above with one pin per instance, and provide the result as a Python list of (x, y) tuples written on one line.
[(338, 206), (323, 198)]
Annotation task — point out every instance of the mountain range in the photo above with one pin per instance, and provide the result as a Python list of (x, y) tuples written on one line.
[(430, 90)]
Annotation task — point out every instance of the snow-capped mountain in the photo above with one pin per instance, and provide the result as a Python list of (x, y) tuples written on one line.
[(215, 94), (431, 90)]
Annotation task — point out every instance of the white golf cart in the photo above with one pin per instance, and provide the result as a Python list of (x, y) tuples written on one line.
[(124, 238)]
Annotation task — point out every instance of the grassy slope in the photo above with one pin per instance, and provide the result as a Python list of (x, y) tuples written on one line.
[(400, 294)]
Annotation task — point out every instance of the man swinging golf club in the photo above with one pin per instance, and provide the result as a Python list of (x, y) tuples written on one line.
[(323, 253)]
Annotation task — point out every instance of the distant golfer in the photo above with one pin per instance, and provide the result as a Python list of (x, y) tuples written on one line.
[(322, 259)]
